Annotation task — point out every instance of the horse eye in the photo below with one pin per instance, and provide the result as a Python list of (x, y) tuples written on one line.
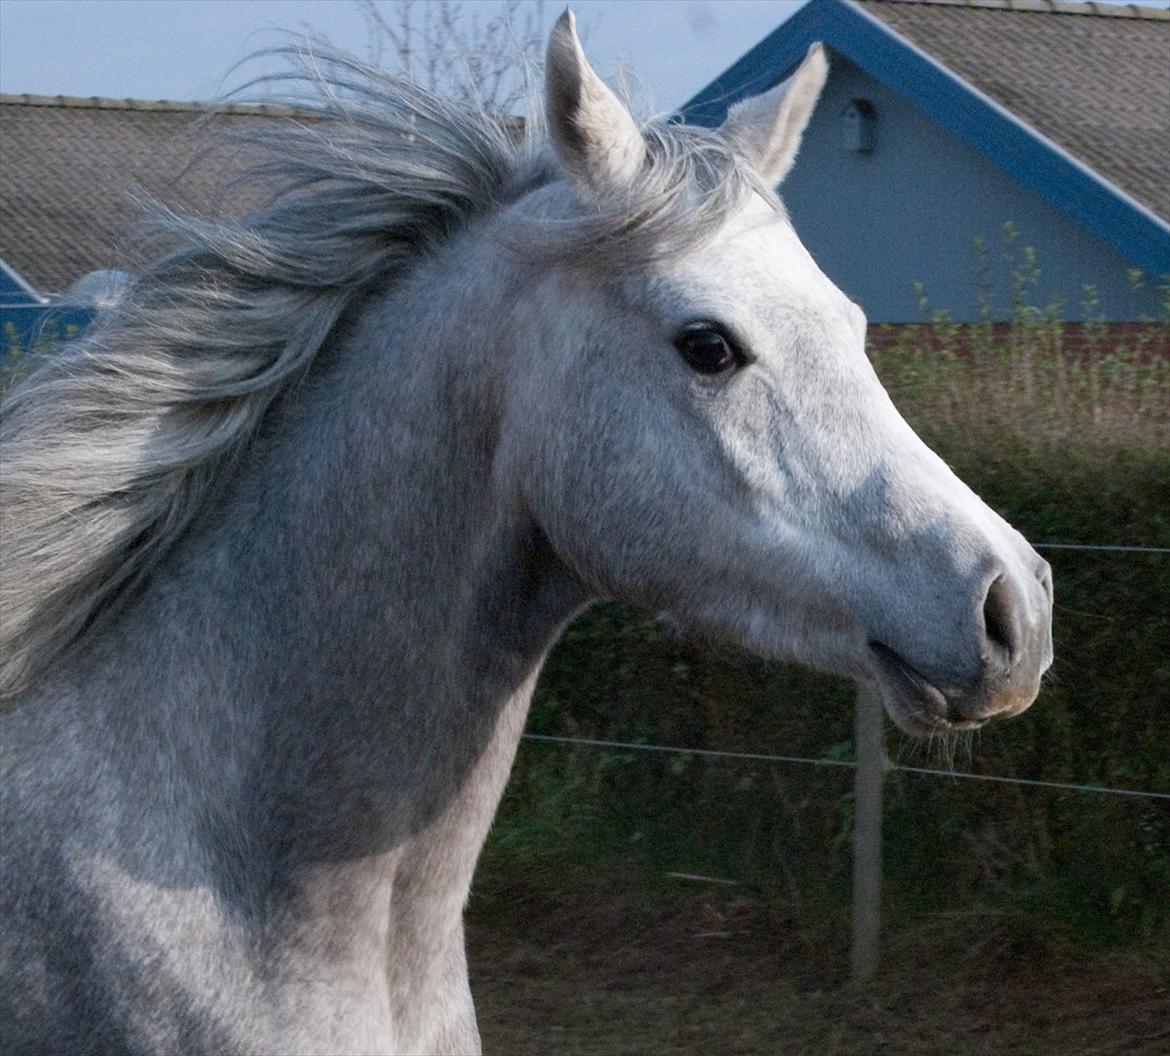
[(706, 348)]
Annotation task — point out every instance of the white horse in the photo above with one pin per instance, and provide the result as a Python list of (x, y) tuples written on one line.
[(289, 535)]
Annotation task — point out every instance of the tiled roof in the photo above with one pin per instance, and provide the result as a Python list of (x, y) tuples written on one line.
[(71, 166), (1093, 78)]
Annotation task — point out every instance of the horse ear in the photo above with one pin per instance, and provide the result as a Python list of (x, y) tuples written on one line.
[(595, 137), (766, 129)]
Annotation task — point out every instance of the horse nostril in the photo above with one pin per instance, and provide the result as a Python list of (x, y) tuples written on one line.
[(999, 622)]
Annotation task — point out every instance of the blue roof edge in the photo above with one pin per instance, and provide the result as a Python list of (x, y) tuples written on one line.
[(1140, 235), (12, 283)]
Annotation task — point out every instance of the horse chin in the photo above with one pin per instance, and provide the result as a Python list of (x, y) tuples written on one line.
[(918, 722), (915, 705)]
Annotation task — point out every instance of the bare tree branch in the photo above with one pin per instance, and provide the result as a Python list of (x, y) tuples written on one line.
[(448, 48)]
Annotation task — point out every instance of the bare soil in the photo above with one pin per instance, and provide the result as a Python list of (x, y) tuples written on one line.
[(593, 967)]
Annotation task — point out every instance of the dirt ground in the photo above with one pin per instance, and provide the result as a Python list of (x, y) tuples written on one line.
[(599, 967)]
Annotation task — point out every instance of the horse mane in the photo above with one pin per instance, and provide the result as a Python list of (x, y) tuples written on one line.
[(115, 443)]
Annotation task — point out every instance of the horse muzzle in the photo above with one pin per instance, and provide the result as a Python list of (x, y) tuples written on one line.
[(1014, 649)]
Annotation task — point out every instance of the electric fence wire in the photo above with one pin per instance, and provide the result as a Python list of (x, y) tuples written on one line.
[(1103, 548), (763, 757)]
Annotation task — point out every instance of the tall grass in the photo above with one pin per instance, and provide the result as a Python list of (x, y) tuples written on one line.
[(1034, 387)]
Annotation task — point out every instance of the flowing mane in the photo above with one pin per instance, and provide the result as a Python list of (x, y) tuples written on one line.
[(112, 446)]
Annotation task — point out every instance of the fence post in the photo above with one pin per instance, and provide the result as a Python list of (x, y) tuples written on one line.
[(869, 735)]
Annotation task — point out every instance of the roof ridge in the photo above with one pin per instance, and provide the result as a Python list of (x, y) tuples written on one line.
[(1052, 7), (97, 102)]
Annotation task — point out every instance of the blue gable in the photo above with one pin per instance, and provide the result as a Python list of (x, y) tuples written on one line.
[(912, 81)]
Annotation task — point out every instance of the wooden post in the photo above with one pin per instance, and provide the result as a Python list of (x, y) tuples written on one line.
[(869, 734)]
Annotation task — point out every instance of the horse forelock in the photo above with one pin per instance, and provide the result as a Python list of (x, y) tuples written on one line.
[(114, 445)]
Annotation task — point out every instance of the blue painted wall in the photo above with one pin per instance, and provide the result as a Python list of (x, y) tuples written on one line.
[(30, 324), (27, 329), (908, 211)]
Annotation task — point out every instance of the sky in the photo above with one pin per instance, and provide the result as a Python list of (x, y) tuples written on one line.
[(184, 49)]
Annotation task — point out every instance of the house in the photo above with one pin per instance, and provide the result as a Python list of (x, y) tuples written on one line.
[(942, 122), (1032, 126)]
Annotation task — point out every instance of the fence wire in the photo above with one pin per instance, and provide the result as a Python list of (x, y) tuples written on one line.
[(763, 757), (1103, 548)]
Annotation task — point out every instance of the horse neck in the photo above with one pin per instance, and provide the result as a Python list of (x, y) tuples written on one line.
[(374, 606)]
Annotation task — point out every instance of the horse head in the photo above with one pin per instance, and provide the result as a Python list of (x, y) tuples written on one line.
[(699, 431)]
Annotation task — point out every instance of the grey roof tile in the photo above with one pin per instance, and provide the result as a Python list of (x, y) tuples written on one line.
[(1093, 78), (72, 169)]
